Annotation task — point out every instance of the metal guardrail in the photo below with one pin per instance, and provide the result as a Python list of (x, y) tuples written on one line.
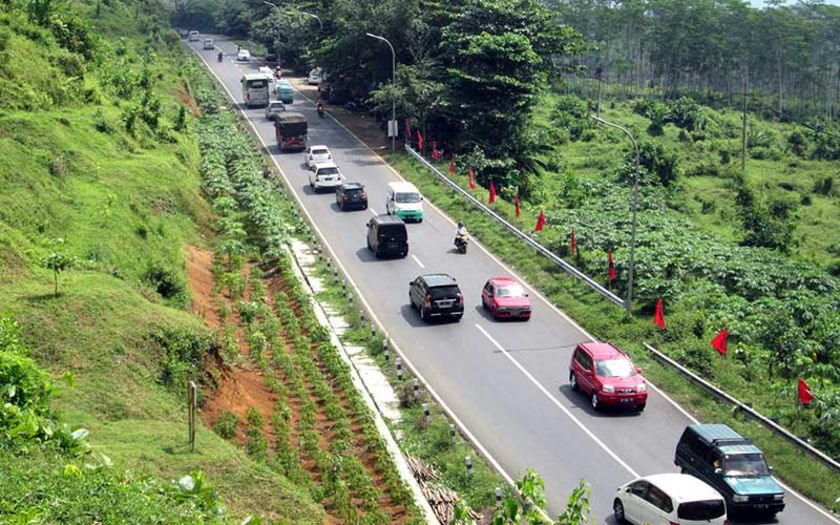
[(571, 270), (771, 425)]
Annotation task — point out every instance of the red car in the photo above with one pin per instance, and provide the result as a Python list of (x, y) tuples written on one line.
[(607, 376), (505, 299)]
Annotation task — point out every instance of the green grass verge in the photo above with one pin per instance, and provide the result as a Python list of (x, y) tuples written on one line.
[(606, 321)]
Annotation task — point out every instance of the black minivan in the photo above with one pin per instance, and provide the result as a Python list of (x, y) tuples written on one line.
[(387, 235)]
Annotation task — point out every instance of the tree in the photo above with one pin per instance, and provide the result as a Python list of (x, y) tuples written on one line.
[(56, 262)]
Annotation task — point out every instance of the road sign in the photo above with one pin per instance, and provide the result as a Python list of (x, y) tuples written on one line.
[(392, 129)]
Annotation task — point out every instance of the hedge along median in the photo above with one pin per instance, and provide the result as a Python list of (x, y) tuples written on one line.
[(606, 321)]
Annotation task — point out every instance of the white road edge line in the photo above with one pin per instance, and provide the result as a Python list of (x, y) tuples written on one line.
[(372, 211), (470, 436), (451, 413), (417, 261), (557, 403)]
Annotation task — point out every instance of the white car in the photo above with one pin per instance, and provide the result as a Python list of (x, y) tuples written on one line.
[(669, 499), (264, 70), (209, 43), (244, 55), (315, 155), (325, 176), (314, 77), (274, 108)]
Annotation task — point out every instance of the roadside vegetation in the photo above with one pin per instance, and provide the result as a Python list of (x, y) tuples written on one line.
[(101, 197)]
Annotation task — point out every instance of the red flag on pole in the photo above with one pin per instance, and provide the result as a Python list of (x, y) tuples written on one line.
[(434, 151), (452, 165), (540, 222), (516, 205), (719, 342), (805, 395), (659, 315), (472, 178), (573, 242), (611, 265), (492, 198), (419, 142)]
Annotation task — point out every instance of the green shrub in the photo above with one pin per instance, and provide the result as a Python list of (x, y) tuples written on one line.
[(226, 425), (184, 350), (166, 282)]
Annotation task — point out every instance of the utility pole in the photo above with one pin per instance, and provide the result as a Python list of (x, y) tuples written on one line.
[(744, 122)]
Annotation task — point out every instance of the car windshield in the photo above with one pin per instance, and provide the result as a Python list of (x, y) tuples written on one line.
[(327, 171), (510, 290), (407, 197), (614, 368), (701, 510), (745, 465)]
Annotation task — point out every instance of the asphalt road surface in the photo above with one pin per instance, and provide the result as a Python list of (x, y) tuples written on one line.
[(506, 382)]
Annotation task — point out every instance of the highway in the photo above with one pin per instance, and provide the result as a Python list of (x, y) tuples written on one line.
[(507, 383)]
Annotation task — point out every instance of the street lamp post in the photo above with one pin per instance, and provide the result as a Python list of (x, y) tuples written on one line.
[(635, 205), (393, 94)]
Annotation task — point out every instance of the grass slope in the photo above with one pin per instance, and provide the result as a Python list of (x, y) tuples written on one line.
[(124, 205)]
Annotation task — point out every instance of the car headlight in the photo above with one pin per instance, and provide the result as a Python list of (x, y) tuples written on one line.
[(737, 498), (641, 388), (778, 497), (608, 388)]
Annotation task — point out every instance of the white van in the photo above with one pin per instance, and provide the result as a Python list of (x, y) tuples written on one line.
[(194, 36), (662, 499), (404, 201)]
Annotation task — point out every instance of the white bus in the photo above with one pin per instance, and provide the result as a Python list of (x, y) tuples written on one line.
[(255, 89)]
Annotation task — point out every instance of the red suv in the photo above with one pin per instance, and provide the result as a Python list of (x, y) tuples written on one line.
[(607, 376)]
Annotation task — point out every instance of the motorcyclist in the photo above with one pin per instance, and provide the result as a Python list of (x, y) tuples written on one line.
[(321, 108), (461, 232), (220, 56), (278, 72)]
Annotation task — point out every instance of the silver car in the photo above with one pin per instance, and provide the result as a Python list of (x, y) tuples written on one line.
[(273, 109)]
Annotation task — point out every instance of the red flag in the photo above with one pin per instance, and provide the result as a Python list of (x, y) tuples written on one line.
[(516, 205), (472, 178), (419, 142), (573, 242), (719, 342), (805, 395), (612, 266), (659, 315), (434, 150), (452, 165), (492, 198), (540, 222)]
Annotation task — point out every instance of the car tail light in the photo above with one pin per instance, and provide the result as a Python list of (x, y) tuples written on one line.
[(310, 156), (460, 298), (329, 156), (364, 195), (344, 197), (673, 523), (427, 301)]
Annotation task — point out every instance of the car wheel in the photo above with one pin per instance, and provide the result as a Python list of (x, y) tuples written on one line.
[(573, 381), (364, 207), (618, 511), (641, 408), (311, 186), (594, 401), (368, 244), (423, 315)]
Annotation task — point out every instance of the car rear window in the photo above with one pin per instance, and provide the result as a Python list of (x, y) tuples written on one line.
[(353, 191), (327, 171), (441, 292), (701, 510), (392, 230), (319, 151)]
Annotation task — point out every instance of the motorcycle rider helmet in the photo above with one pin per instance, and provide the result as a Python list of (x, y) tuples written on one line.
[(460, 224)]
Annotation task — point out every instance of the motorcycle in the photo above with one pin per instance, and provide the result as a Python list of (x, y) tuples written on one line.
[(321, 110), (461, 242), (221, 55)]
